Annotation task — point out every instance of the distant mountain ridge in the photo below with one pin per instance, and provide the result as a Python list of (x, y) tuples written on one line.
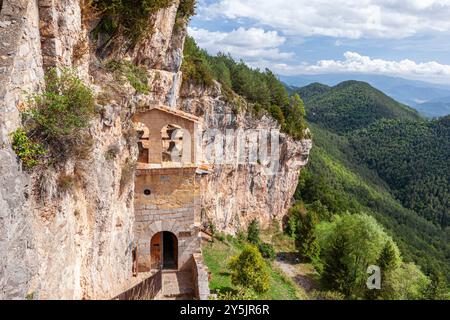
[(423, 96), (434, 108), (351, 105)]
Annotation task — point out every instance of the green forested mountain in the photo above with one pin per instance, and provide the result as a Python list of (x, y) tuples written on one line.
[(413, 158), (311, 90), (351, 105), (375, 155)]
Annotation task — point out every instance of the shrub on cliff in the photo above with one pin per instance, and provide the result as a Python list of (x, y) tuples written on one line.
[(135, 75), (249, 270), (131, 17), (58, 116), (28, 151)]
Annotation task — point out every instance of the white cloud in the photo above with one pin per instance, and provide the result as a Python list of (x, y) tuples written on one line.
[(356, 63), (242, 43), (338, 18)]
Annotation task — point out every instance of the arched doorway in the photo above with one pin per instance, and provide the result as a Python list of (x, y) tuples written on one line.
[(164, 251)]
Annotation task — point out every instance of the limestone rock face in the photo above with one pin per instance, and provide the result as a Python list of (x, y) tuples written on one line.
[(239, 191), (20, 69), (66, 231)]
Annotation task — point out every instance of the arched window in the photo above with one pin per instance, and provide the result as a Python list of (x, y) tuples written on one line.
[(172, 143), (143, 143)]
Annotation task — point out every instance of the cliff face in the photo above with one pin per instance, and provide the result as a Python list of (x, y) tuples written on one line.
[(239, 191), (59, 243), (76, 243)]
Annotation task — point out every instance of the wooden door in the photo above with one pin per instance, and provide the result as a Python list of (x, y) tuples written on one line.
[(155, 251)]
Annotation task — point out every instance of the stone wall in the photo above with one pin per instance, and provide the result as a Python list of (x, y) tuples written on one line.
[(200, 277), (173, 206)]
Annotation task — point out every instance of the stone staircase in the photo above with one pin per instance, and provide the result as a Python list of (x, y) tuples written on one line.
[(176, 285)]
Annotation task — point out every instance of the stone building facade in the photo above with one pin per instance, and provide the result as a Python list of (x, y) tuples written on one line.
[(167, 190)]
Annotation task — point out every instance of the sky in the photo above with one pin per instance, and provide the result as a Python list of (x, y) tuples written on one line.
[(403, 38)]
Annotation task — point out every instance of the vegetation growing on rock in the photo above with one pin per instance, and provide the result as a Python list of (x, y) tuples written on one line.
[(28, 151), (412, 157), (261, 88), (131, 17), (135, 75), (186, 9), (56, 119)]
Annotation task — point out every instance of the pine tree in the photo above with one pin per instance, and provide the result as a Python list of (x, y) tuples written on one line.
[(388, 261), (389, 257), (438, 290), (306, 243), (253, 232), (335, 271)]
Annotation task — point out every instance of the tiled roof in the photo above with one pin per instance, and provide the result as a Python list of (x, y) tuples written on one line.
[(173, 111)]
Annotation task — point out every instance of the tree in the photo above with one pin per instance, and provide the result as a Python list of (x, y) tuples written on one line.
[(295, 117), (253, 232), (277, 114), (388, 261), (406, 283), (249, 270), (306, 240), (349, 244), (438, 289)]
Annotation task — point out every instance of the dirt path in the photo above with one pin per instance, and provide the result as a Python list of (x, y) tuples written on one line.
[(300, 273)]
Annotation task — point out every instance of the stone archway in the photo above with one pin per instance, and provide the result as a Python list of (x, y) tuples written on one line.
[(164, 251)]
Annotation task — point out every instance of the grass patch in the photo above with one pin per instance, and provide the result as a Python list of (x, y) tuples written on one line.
[(217, 255)]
